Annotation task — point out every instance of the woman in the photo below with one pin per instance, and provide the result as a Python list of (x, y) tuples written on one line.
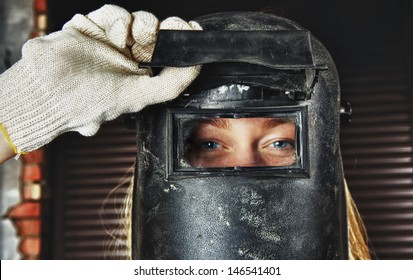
[(92, 76)]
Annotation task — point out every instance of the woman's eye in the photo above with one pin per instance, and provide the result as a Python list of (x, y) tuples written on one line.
[(209, 145), (281, 144)]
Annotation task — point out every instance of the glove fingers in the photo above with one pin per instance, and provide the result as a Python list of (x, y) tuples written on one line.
[(170, 82), (195, 26), (178, 79), (144, 31), (85, 26), (144, 28), (142, 53), (175, 23), (115, 22), (166, 86), (175, 80)]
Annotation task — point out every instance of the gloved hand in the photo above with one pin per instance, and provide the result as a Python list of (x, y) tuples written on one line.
[(85, 74)]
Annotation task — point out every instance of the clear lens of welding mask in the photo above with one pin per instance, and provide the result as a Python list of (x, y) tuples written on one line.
[(225, 142)]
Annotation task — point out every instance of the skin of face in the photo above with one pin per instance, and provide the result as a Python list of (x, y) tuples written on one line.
[(243, 142)]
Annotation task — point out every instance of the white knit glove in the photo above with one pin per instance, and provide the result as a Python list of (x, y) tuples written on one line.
[(85, 74)]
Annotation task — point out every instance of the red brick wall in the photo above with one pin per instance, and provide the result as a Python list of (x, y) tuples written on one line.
[(26, 216)]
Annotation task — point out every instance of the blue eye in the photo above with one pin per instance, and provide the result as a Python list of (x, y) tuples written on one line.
[(209, 145), (280, 144)]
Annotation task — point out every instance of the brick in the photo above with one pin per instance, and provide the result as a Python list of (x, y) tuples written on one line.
[(40, 5), (36, 156), (28, 227), (25, 210), (30, 246), (41, 22), (32, 191), (32, 172)]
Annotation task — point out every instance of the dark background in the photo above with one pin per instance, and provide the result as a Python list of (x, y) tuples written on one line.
[(371, 42)]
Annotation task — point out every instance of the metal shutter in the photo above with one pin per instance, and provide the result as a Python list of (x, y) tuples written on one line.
[(378, 145), (88, 170)]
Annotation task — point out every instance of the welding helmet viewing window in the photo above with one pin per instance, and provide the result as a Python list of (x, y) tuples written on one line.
[(245, 164)]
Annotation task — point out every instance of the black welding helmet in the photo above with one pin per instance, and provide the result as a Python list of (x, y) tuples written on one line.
[(245, 164)]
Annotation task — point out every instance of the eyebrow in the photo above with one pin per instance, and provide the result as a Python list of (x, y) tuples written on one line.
[(273, 122), (220, 123), (226, 124)]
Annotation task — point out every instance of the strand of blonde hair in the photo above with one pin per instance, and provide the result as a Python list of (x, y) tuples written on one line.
[(357, 233)]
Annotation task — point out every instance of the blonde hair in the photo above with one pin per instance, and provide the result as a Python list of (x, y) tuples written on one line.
[(118, 244), (357, 234), (127, 219)]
